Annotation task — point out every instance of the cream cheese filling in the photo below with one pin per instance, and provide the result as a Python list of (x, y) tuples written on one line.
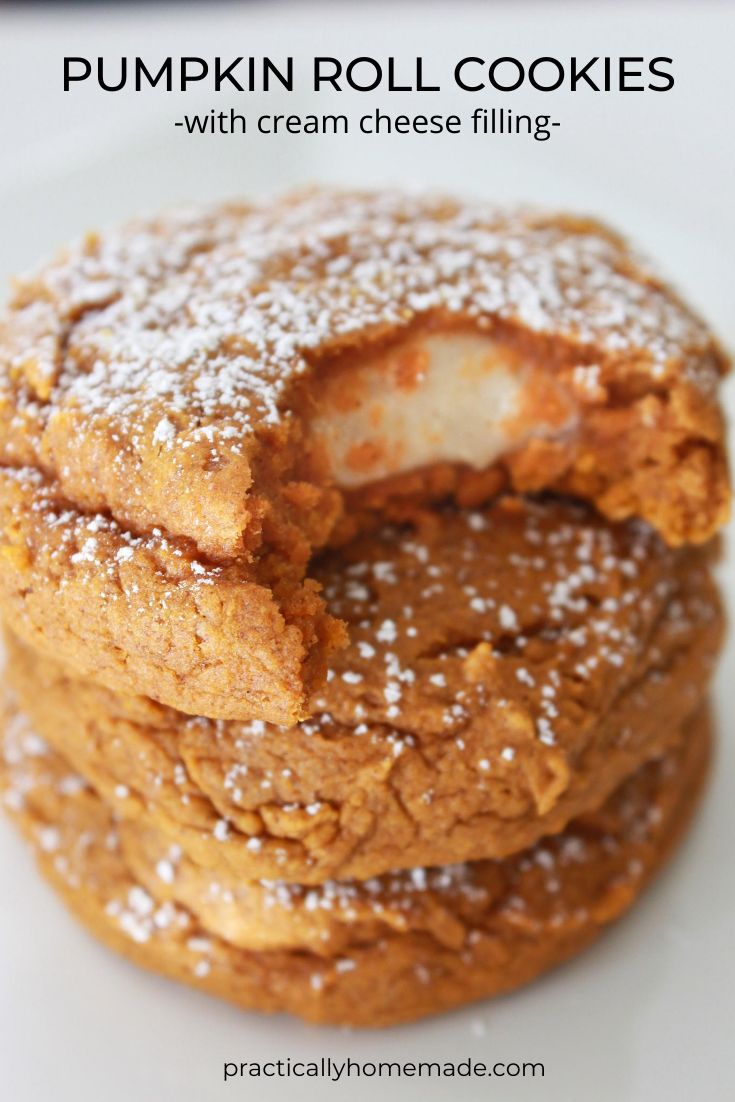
[(461, 398)]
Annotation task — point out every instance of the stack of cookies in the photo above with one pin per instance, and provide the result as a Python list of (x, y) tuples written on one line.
[(356, 571)]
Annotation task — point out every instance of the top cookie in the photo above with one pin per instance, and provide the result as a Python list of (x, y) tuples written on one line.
[(239, 377), (175, 372)]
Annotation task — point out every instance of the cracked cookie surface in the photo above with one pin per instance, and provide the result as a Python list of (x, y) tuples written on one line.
[(227, 386), (403, 947), (507, 669)]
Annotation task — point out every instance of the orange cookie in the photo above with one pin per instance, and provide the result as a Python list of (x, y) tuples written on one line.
[(190, 404), (395, 949), (507, 669)]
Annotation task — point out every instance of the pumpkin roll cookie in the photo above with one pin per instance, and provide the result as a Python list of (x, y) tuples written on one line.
[(507, 669), (192, 405), (369, 954)]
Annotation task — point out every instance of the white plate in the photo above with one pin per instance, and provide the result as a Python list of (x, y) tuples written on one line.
[(647, 1013)]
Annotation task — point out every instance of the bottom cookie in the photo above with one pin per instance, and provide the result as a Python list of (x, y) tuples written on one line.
[(513, 919)]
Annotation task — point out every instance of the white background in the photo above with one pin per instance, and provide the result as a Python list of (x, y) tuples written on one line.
[(647, 1014)]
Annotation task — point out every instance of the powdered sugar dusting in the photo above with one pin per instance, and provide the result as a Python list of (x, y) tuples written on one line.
[(205, 317), (544, 886)]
